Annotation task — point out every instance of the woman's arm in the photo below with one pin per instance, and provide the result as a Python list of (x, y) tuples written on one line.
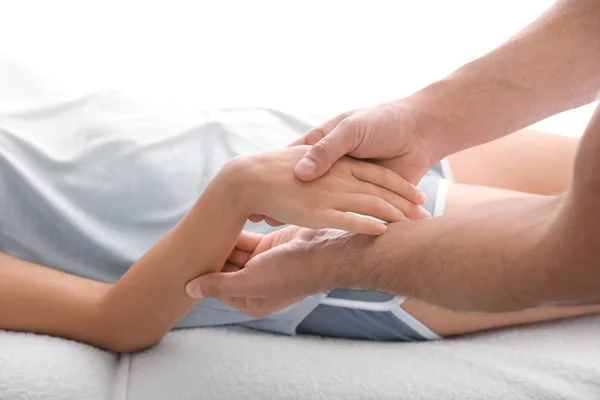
[(42, 300), (150, 298)]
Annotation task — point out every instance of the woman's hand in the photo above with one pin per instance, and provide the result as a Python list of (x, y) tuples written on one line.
[(270, 188)]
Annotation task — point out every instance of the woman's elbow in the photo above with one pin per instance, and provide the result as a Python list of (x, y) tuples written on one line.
[(127, 341), (122, 335)]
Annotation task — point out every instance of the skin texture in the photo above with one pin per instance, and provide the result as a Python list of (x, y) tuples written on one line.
[(150, 298), (527, 169), (507, 255)]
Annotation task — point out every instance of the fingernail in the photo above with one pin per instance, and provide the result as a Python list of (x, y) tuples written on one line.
[(193, 290), (306, 166), (381, 229), (423, 213), (421, 197)]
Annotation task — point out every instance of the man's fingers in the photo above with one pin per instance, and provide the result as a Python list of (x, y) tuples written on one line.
[(219, 285), (235, 302), (309, 138), (371, 205), (314, 135), (259, 307), (388, 179), (321, 156)]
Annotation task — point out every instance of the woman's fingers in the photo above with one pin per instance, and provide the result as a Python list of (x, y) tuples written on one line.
[(244, 247), (388, 179), (256, 218), (229, 267), (247, 241), (269, 221), (314, 135), (410, 210), (370, 205), (353, 223), (239, 257), (273, 222)]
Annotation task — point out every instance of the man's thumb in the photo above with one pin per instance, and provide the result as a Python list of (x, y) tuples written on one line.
[(217, 285), (323, 154)]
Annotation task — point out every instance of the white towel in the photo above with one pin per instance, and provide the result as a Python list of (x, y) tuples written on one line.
[(558, 360)]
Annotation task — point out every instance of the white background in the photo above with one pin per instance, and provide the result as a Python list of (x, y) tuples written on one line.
[(318, 56)]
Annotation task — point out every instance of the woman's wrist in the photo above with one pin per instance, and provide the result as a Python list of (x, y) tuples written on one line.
[(243, 178), (237, 185)]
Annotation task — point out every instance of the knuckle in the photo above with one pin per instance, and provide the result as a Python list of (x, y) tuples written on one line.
[(412, 190), (348, 125), (379, 205), (320, 149), (211, 290), (345, 115), (391, 179), (216, 291), (316, 134), (384, 176)]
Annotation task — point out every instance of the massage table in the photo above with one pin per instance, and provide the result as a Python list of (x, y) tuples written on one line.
[(558, 360)]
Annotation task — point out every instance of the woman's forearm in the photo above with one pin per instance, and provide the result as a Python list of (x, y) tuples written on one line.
[(38, 299), (550, 66), (148, 300), (151, 297)]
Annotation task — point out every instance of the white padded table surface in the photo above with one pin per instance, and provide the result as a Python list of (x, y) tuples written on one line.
[(556, 360)]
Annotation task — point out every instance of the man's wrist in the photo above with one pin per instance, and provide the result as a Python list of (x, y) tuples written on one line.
[(348, 262), (440, 117)]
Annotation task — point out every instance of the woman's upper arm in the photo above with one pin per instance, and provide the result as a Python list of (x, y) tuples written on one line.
[(41, 300)]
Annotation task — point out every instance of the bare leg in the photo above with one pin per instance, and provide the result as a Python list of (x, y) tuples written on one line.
[(526, 161), (530, 161), (450, 323)]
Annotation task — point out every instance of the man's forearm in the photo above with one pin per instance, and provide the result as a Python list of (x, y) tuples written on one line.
[(485, 258), (499, 256), (550, 66)]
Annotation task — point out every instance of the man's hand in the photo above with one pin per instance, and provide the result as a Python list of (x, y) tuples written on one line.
[(392, 134), (267, 273), (389, 134), (523, 81)]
